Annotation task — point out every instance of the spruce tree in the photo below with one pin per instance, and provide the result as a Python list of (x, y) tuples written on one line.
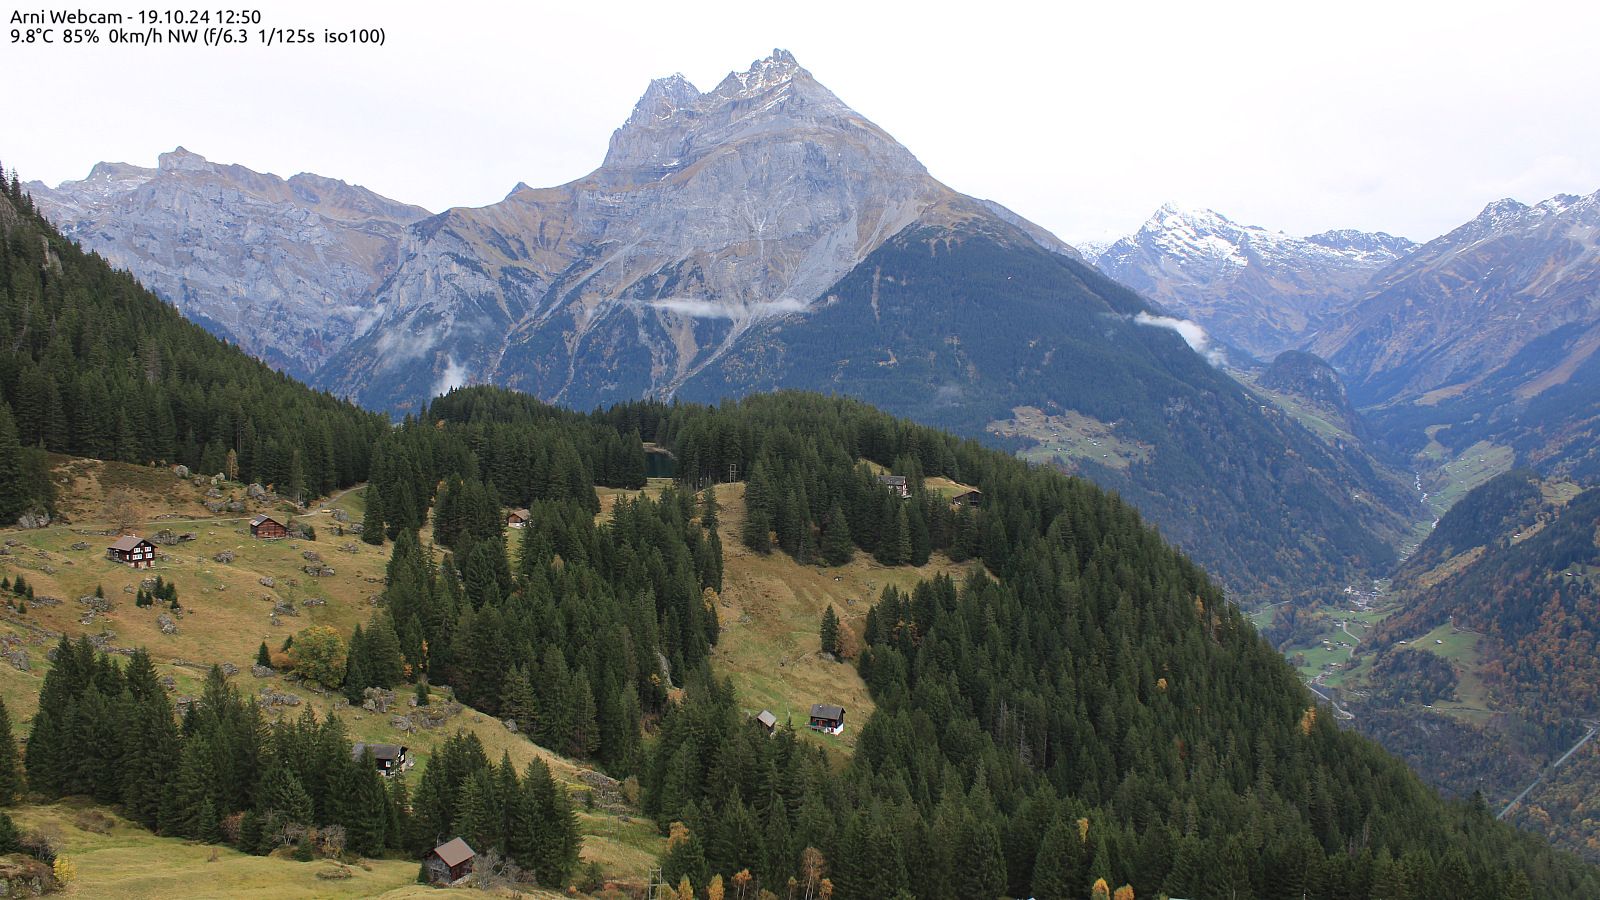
[(282, 796), (360, 804), (830, 631), (758, 511), (385, 663), (356, 681), (146, 767), (585, 734), (372, 520), (837, 546), (10, 764), (14, 492), (183, 806)]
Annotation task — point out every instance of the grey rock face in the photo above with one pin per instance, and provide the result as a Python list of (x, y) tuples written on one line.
[(712, 212), (1259, 290), (285, 268)]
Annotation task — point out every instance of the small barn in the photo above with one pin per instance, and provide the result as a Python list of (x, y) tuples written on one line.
[(768, 721), (827, 718), (896, 483), (389, 759), (132, 550), (517, 518), (265, 527), (967, 498), (449, 862)]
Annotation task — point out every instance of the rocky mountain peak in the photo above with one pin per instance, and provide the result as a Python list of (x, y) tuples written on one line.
[(182, 160), (674, 123), (662, 100), (763, 75)]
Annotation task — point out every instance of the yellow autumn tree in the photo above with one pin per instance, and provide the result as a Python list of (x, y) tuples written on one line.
[(685, 889), (825, 889), (714, 890), (741, 884), (65, 870), (1123, 893), (1083, 831), (1100, 891), (677, 833), (1308, 721)]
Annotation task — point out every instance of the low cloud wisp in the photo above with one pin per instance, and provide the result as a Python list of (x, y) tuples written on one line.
[(697, 308), (1192, 333)]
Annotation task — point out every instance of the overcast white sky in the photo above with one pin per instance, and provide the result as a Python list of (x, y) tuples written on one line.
[(1403, 117)]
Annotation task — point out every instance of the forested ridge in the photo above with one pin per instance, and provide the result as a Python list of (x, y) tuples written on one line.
[(1093, 709), (92, 364), (1534, 602)]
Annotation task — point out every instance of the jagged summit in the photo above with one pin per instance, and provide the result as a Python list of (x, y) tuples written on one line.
[(662, 99), (674, 123), (763, 75)]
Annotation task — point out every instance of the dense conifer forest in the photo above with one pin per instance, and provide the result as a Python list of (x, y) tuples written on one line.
[(1091, 708), (220, 774)]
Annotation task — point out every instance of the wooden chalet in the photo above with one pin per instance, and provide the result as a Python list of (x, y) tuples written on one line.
[(896, 483), (768, 721), (449, 862), (132, 550), (389, 759), (968, 498), (265, 527), (517, 518), (827, 717)]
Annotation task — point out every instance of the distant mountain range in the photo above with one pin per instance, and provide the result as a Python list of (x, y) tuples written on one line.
[(1260, 290), (287, 269), (759, 235), (1487, 333)]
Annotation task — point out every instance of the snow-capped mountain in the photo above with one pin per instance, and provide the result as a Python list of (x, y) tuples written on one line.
[(1260, 290), (284, 268)]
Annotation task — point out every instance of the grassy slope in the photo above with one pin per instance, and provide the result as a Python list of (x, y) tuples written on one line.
[(771, 608), (771, 613), (1069, 437), (224, 620)]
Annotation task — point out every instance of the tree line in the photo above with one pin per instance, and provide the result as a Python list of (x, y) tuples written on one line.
[(220, 773)]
